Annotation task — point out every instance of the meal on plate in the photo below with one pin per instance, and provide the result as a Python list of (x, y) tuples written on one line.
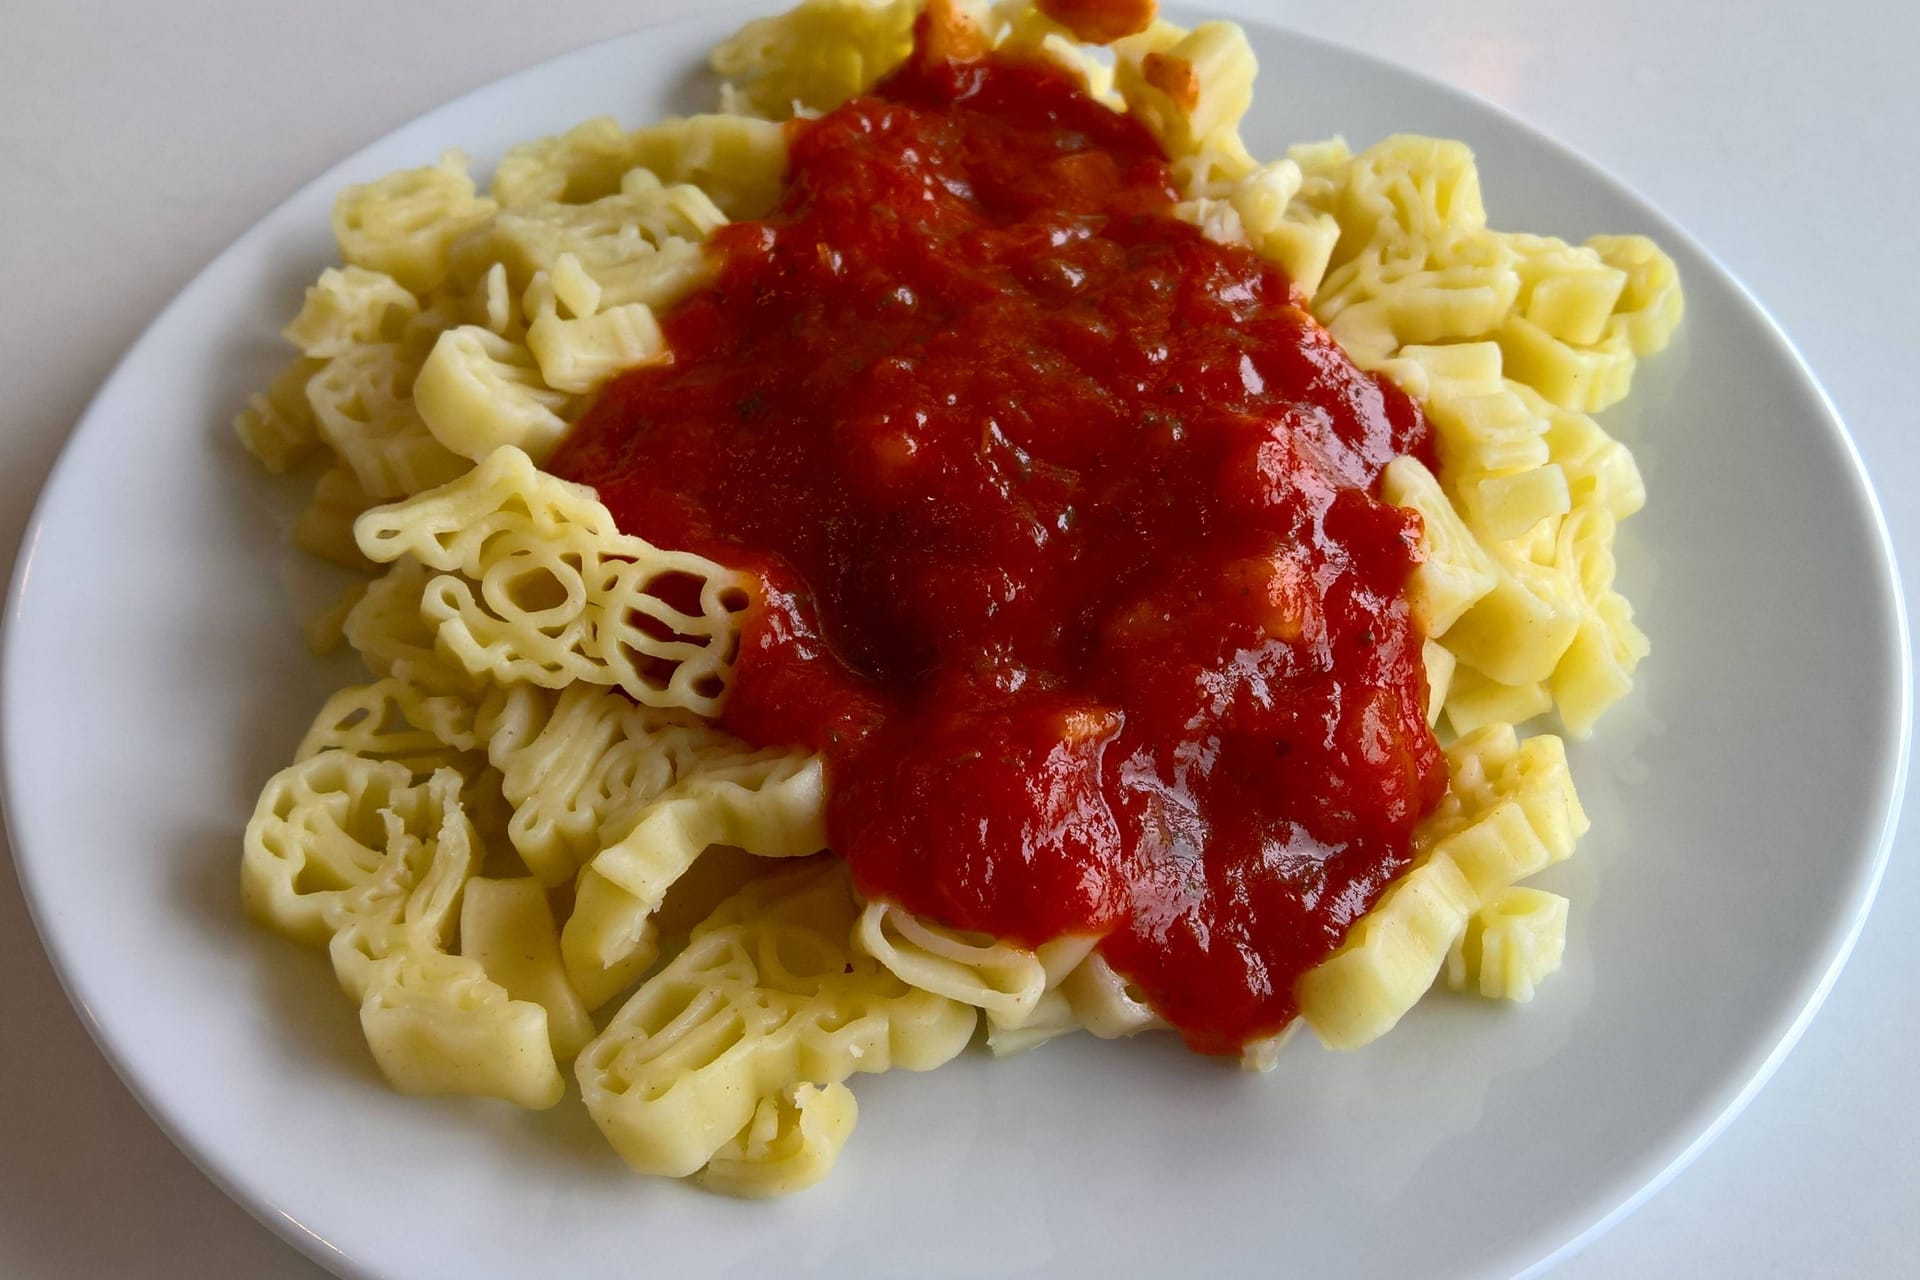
[(949, 543)]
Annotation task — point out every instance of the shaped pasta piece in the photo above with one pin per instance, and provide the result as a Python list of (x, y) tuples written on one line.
[(737, 161), (277, 426), (640, 245), (394, 720), (349, 306), (479, 391), (410, 904), (325, 527), (1511, 945), (395, 639), (1191, 92), (438, 1025), (999, 977), (403, 224), (583, 164), (767, 995), (1021, 29), (814, 56), (791, 1142), (1389, 959), (319, 832), (1650, 304), (1511, 811), (363, 404), (1455, 573), (1518, 633), (1474, 701), (507, 925), (1300, 240), (538, 585), (577, 353), (771, 804), (580, 765)]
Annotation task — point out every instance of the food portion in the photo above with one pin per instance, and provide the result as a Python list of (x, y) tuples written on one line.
[(951, 538)]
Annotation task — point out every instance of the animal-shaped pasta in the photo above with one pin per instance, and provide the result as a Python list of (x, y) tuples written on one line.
[(583, 164), (479, 391), (363, 405), (1510, 945), (437, 1024), (320, 832), (579, 351), (766, 996), (277, 426), (404, 224), (578, 766), (392, 719), (395, 639), (349, 306), (791, 1143), (770, 803), (642, 244), (736, 160), (1190, 89), (814, 56), (537, 584), (1511, 811)]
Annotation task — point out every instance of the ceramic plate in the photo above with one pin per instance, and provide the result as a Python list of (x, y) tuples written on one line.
[(1741, 803)]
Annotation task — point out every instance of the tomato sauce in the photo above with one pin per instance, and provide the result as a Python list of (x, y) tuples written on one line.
[(1064, 528)]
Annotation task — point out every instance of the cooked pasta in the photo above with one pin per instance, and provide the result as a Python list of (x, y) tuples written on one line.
[(527, 842)]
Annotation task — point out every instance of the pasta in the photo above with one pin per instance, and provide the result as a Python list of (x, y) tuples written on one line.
[(530, 843)]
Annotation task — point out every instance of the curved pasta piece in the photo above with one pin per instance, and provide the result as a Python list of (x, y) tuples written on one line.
[(792, 1142), (583, 164), (395, 639), (1511, 945), (403, 224), (538, 585), (363, 404), (410, 905), (348, 306), (391, 719), (325, 527), (579, 766), (1512, 810), (1002, 979), (642, 244), (767, 995), (438, 1025), (507, 925), (1189, 92), (771, 804), (479, 391), (815, 56), (319, 832), (577, 353), (737, 161), (277, 426)]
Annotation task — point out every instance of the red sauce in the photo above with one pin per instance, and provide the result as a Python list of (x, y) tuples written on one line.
[(1064, 525)]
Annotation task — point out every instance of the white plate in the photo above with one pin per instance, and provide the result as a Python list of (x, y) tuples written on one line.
[(1742, 801)]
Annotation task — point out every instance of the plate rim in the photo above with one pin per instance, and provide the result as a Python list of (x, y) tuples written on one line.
[(1660, 1164)]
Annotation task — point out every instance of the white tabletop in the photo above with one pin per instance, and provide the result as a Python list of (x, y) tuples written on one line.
[(137, 139)]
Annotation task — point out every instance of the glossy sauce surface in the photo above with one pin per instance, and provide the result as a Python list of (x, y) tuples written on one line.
[(1068, 552)]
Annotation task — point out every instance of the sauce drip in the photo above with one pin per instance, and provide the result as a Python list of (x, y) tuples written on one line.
[(1067, 551)]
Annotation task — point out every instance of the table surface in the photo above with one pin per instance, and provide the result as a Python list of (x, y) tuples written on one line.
[(137, 140)]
